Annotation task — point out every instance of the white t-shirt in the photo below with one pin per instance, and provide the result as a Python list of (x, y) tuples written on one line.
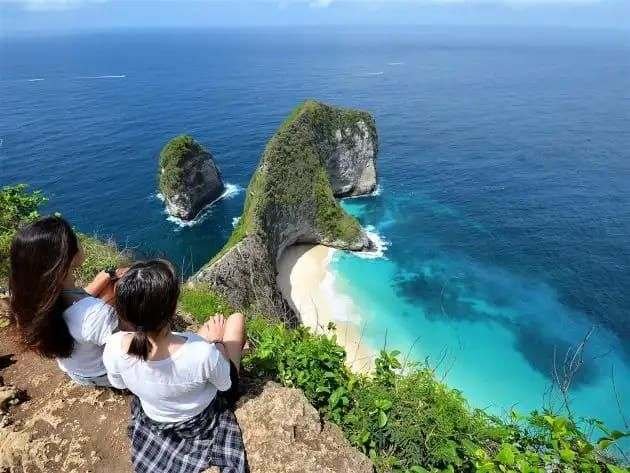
[(176, 388), (91, 321)]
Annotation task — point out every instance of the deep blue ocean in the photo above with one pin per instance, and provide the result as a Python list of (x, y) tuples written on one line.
[(504, 171)]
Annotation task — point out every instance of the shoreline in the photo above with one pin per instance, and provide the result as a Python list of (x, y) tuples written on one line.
[(306, 282)]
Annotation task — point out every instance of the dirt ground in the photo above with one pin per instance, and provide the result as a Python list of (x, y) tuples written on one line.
[(60, 426)]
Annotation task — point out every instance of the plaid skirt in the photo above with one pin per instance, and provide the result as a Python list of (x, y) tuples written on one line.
[(211, 438)]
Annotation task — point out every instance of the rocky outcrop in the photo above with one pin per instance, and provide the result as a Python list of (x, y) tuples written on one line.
[(189, 180), (352, 164), (65, 428), (318, 152), (292, 438)]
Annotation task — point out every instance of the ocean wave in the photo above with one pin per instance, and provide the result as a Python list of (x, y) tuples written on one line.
[(379, 73), (235, 221), (342, 308), (395, 63), (231, 190), (375, 193), (381, 243), (37, 79)]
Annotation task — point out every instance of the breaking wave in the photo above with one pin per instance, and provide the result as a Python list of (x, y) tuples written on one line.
[(231, 190)]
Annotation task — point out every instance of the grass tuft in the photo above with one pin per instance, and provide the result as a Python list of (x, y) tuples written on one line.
[(99, 255), (202, 303)]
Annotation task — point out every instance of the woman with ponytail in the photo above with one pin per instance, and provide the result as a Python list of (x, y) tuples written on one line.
[(180, 420), (56, 318)]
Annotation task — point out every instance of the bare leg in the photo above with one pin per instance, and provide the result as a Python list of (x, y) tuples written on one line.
[(234, 337)]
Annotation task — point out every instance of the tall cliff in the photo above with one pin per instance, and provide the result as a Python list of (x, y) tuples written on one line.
[(317, 153), (188, 178)]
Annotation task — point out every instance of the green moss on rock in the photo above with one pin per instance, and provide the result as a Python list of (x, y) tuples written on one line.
[(172, 159), (189, 179), (292, 177)]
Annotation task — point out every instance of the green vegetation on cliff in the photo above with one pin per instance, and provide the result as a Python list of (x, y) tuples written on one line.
[(99, 254), (291, 176), (199, 302), (172, 158), (407, 420)]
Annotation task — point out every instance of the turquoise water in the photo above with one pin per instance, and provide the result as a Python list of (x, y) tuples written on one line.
[(488, 331), (504, 166)]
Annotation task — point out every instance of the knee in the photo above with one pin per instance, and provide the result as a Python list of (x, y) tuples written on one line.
[(237, 318)]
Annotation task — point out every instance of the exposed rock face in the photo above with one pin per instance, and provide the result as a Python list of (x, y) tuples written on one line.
[(291, 199), (292, 439), (352, 164), (189, 178)]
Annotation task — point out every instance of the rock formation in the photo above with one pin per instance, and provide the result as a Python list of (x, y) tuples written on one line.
[(352, 163), (317, 153), (293, 437), (189, 180)]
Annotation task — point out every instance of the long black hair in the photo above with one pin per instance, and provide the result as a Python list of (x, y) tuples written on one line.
[(41, 257), (146, 300)]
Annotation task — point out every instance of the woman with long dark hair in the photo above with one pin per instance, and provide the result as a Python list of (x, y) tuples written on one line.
[(56, 318), (180, 419)]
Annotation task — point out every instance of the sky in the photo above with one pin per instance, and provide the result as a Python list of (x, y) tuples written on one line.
[(36, 16)]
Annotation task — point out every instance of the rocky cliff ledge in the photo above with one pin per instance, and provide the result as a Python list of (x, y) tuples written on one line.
[(317, 153), (188, 179)]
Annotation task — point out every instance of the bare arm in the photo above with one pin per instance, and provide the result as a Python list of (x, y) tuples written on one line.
[(100, 282), (228, 334), (103, 284), (213, 331)]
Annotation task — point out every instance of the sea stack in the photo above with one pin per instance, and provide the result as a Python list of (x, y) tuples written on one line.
[(318, 153), (189, 179)]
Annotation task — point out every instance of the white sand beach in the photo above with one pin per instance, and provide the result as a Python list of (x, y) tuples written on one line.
[(304, 279)]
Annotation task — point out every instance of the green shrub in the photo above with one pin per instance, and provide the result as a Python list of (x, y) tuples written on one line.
[(18, 207), (201, 303), (297, 358), (542, 442)]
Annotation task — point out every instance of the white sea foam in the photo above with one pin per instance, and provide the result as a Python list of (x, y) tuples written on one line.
[(379, 73), (119, 76), (395, 63), (375, 193), (379, 241), (235, 221), (36, 80), (231, 190)]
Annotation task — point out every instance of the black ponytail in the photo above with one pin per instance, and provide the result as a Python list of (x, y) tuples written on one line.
[(146, 300), (140, 346)]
